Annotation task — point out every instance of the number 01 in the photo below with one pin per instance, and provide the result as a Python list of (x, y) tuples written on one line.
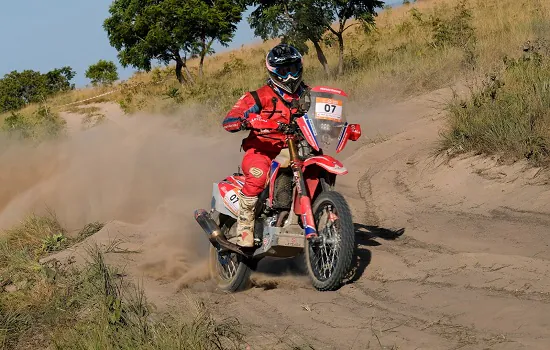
[(234, 198)]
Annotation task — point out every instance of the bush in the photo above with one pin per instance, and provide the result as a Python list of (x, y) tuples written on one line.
[(92, 116), (39, 125), (456, 31), (509, 114), (234, 65), (18, 89)]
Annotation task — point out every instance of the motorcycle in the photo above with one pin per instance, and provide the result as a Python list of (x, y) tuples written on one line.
[(299, 212)]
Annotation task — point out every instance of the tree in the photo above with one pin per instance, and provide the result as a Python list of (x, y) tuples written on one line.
[(168, 30), (311, 19), (218, 22), (59, 80), (102, 73), (17, 89), (291, 20)]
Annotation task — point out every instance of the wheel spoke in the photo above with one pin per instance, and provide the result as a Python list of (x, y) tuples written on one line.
[(227, 266), (325, 253), (325, 260)]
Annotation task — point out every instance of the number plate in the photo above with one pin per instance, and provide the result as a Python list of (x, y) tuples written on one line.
[(232, 201), (328, 109)]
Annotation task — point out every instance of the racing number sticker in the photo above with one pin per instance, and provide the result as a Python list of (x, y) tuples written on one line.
[(232, 201), (328, 109)]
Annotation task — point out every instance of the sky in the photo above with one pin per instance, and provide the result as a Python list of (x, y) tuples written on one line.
[(43, 35)]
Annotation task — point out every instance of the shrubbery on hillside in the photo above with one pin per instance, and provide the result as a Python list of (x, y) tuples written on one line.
[(414, 49), (423, 51), (510, 113), (41, 124), (18, 89), (407, 54)]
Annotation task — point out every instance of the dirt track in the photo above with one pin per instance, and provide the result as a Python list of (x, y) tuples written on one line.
[(470, 269), (452, 256)]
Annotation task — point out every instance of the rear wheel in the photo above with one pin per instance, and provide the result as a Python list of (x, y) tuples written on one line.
[(328, 257), (229, 270)]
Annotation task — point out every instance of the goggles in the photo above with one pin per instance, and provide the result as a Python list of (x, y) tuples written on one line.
[(293, 69)]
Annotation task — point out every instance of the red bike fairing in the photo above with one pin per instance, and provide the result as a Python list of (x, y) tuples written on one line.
[(308, 131), (311, 175)]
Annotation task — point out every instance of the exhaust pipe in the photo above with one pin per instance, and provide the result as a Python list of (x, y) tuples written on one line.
[(214, 233), (211, 229)]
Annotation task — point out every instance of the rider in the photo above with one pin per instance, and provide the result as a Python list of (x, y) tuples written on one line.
[(272, 101)]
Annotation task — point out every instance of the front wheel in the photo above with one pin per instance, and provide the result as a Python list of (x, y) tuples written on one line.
[(329, 257)]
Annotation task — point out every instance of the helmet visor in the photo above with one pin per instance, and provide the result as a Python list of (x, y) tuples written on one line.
[(285, 71)]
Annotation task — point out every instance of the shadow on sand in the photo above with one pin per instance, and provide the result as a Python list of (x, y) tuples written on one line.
[(365, 236)]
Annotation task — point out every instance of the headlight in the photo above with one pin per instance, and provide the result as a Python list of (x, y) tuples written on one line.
[(325, 126)]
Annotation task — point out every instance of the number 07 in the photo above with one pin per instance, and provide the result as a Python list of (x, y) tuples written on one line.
[(328, 106)]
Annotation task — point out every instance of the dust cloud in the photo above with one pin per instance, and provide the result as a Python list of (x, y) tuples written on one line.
[(141, 176)]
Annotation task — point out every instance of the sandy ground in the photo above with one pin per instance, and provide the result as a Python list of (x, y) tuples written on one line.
[(453, 254)]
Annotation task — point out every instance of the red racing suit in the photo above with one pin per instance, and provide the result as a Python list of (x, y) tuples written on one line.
[(260, 149)]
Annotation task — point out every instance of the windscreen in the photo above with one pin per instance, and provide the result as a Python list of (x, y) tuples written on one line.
[(327, 112)]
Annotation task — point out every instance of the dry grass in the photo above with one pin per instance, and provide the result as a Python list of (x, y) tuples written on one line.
[(508, 113), (32, 231), (54, 305), (37, 123), (400, 59), (415, 49)]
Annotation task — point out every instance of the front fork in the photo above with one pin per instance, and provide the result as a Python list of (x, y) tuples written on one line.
[(305, 201)]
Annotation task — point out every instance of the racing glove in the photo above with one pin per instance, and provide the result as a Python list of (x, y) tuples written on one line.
[(255, 121)]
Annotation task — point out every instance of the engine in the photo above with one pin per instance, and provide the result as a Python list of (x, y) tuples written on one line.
[(282, 193)]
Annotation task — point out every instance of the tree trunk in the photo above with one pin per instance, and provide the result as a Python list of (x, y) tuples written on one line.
[(179, 67), (189, 76), (205, 51), (340, 53), (181, 63), (321, 57), (201, 64), (202, 54)]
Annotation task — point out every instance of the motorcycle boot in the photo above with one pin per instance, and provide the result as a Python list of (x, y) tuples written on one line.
[(245, 221)]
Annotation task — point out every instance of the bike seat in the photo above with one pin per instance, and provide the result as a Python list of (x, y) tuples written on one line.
[(283, 158)]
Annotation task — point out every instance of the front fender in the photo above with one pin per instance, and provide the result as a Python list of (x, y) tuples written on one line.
[(326, 162), (311, 168)]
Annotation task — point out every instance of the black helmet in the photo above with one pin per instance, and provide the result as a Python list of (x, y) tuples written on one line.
[(285, 67)]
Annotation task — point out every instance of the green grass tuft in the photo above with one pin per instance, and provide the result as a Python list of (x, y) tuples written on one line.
[(510, 114)]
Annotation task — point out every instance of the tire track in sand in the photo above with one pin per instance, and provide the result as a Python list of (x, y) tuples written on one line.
[(466, 273)]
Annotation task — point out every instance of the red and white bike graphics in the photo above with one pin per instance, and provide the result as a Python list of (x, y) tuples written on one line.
[(299, 211), (326, 119)]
